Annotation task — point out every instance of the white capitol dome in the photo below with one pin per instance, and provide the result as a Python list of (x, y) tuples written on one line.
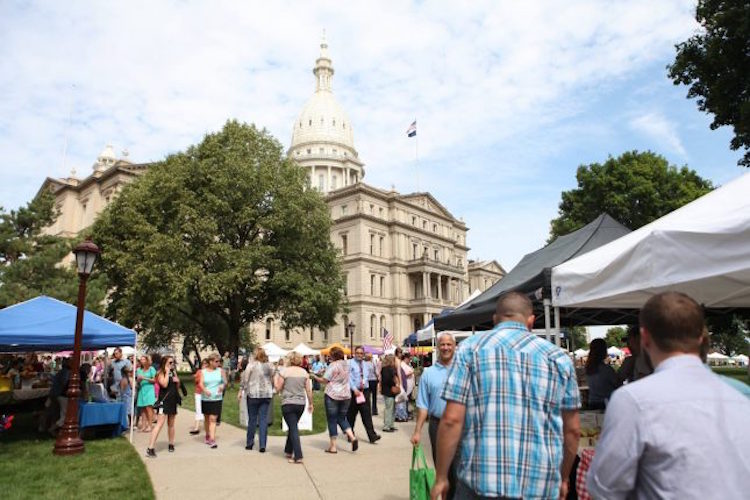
[(322, 137)]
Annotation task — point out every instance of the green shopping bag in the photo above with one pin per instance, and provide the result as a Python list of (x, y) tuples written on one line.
[(422, 478)]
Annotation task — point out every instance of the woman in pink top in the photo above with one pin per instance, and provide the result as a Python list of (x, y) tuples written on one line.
[(337, 397)]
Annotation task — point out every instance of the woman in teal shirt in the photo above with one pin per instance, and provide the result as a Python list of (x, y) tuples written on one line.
[(145, 376)]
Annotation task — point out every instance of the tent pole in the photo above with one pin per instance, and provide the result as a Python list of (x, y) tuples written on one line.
[(557, 326), (132, 388), (547, 326)]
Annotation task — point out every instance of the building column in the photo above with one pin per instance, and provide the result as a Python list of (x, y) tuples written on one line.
[(329, 179), (425, 287), (440, 287)]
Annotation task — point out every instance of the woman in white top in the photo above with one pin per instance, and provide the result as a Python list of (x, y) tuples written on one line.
[(294, 384), (257, 387)]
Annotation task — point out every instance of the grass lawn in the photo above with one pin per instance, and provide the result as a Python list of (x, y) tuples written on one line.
[(739, 373), (108, 467), (230, 411)]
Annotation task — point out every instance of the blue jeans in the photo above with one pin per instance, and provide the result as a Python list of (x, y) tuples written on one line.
[(257, 407), (336, 411), (292, 414)]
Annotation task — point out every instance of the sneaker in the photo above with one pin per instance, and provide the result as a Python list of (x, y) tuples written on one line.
[(262, 450), (207, 440), (213, 445), (248, 447), (171, 448), (195, 431), (150, 452)]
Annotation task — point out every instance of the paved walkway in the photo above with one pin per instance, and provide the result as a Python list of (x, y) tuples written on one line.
[(194, 471)]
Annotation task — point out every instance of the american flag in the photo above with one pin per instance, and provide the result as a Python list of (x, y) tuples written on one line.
[(412, 130), (387, 340)]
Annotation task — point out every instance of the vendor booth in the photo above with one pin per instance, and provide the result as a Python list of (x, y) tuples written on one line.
[(44, 324), (701, 249), (532, 277)]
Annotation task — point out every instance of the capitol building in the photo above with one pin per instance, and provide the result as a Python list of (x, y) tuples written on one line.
[(404, 256)]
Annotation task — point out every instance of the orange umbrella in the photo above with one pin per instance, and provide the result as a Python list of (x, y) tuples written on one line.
[(327, 350)]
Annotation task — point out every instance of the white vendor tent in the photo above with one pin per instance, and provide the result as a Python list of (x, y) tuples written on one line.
[(741, 359), (273, 351), (304, 350), (701, 249), (581, 353), (614, 351), (717, 356)]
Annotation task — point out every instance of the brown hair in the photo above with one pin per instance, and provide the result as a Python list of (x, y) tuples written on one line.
[(336, 353), (163, 366), (675, 322), (389, 360), (260, 355)]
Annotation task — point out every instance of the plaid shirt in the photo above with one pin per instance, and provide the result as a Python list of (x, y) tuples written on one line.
[(514, 386)]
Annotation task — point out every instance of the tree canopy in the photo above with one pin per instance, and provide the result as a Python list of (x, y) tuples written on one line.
[(216, 237), (729, 334), (30, 262), (617, 336), (715, 64), (635, 188)]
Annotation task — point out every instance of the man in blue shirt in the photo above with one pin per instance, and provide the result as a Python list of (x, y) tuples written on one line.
[(359, 373), (318, 368), (512, 400), (429, 403)]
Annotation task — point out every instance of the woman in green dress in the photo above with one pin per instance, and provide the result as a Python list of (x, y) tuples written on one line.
[(145, 375)]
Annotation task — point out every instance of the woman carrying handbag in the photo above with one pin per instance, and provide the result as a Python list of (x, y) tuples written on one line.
[(390, 387)]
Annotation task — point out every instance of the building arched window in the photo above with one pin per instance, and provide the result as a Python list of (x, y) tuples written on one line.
[(269, 328), (372, 285), (372, 326), (382, 325)]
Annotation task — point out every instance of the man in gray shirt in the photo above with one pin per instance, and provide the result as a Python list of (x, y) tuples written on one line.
[(117, 364), (681, 432)]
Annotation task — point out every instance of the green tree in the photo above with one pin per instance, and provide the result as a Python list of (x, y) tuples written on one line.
[(31, 263), (729, 334), (634, 188), (216, 237), (578, 337), (715, 64), (617, 337)]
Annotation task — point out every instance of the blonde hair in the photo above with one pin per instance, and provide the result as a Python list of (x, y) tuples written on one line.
[(294, 358), (260, 355)]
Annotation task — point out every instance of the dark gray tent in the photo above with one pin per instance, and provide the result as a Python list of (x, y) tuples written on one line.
[(532, 275)]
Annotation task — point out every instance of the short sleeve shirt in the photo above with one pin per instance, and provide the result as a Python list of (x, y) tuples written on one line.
[(514, 386)]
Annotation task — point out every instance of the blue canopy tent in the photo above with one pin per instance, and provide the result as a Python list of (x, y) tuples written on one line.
[(47, 324)]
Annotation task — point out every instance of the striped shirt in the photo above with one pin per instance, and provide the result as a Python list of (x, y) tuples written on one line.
[(514, 386)]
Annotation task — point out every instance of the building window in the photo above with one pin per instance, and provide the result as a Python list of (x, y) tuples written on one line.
[(310, 124), (345, 322), (382, 240), (343, 209), (414, 251), (382, 286), (325, 335), (372, 208), (334, 124), (321, 183), (312, 335), (309, 151), (424, 224), (345, 244), (372, 326), (437, 254), (286, 335), (269, 326), (372, 244), (346, 284), (372, 285), (413, 221), (434, 228), (382, 326), (380, 211)]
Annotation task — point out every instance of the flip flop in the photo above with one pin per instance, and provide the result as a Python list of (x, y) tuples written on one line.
[(295, 462), (331, 452)]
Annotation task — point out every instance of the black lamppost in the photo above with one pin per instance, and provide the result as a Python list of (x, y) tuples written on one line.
[(350, 327), (69, 441)]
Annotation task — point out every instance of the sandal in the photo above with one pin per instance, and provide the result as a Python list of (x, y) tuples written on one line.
[(328, 450), (293, 461)]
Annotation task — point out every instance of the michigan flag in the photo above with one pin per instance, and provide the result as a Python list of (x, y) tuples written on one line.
[(412, 130)]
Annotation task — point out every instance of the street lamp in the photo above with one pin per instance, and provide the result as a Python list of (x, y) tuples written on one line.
[(350, 328), (69, 441)]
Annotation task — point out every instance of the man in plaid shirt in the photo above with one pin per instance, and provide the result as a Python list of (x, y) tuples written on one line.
[(512, 401)]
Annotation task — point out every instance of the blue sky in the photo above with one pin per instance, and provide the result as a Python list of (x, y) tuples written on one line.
[(510, 97)]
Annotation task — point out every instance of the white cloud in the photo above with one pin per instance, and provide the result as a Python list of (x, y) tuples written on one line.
[(661, 130), (499, 88)]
